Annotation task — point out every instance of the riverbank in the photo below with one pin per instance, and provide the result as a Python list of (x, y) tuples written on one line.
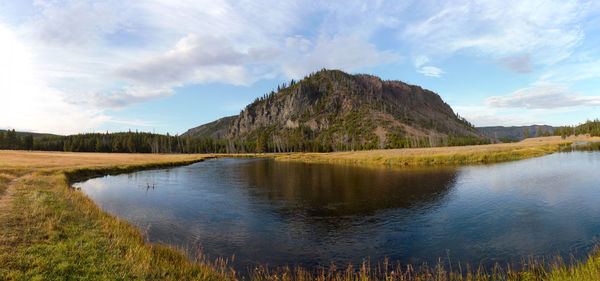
[(455, 155), (51, 231)]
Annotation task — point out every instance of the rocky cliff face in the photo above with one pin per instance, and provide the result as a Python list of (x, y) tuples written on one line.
[(346, 111)]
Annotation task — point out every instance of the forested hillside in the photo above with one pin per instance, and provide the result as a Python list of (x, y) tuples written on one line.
[(334, 111), (517, 133), (136, 142), (326, 111)]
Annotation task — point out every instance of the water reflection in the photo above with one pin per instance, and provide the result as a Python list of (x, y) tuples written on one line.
[(334, 193), (278, 213), (583, 146)]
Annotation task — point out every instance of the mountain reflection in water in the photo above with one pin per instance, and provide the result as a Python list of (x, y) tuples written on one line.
[(287, 213)]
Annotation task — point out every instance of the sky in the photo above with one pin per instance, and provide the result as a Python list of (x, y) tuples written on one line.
[(163, 66)]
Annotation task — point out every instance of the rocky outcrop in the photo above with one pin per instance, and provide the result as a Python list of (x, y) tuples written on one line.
[(336, 108)]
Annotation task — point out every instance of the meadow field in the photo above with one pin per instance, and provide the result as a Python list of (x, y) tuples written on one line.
[(452, 155), (50, 231)]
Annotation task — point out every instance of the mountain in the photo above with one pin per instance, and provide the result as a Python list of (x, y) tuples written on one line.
[(516, 133), (215, 130), (331, 110)]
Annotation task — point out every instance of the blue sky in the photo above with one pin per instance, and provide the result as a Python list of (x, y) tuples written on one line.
[(166, 66)]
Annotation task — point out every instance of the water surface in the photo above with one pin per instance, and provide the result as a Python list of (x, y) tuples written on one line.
[(283, 213)]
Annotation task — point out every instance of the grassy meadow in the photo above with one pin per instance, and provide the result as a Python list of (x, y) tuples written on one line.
[(50, 231), (452, 155)]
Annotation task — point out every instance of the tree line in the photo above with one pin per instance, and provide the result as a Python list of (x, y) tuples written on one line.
[(126, 142), (590, 127), (10, 139), (301, 139), (297, 140)]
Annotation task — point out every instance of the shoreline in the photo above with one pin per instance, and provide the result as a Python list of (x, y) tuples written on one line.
[(52, 231), (440, 156), (55, 231)]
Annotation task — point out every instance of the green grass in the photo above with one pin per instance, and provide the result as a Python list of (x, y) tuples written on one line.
[(56, 233), (586, 270)]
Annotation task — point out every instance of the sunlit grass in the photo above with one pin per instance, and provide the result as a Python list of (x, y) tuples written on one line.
[(49, 231), (456, 155)]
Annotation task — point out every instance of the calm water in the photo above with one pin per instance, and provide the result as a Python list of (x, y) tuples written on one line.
[(277, 213)]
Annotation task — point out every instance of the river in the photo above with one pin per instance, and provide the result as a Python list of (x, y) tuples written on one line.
[(266, 212)]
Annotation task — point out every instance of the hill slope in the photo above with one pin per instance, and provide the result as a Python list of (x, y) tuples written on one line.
[(332, 110), (516, 132), (215, 130)]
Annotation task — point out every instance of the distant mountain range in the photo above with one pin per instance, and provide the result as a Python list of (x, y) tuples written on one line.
[(331, 110), (516, 132)]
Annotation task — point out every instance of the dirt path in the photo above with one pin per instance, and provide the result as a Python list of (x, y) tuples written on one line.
[(6, 198)]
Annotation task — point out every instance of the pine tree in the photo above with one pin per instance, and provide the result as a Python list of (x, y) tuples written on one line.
[(3, 144), (28, 142), (116, 145), (262, 142), (556, 132)]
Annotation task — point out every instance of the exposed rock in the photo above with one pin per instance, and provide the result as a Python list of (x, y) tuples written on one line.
[(342, 110)]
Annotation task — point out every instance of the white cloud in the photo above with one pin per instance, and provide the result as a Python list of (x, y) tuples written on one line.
[(136, 122), (421, 60), (542, 97), (246, 21), (71, 22), (298, 42), (347, 53), (427, 70), (87, 57), (485, 120), (94, 56), (548, 29), (431, 71), (483, 116), (198, 59), (120, 99), (195, 59), (30, 104)]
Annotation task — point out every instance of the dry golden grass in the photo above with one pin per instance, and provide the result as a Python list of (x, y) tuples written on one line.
[(44, 159), (455, 155), (11, 159), (50, 231)]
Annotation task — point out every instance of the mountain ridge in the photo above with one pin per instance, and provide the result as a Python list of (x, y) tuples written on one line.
[(331, 110), (516, 133)]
